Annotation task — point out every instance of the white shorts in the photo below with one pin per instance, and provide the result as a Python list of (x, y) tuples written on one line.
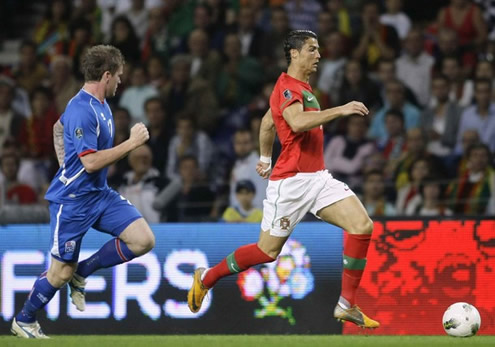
[(289, 199)]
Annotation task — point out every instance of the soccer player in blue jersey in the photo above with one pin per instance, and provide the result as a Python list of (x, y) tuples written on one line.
[(79, 195)]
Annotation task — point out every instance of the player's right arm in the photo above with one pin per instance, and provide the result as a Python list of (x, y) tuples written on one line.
[(300, 120), (58, 141), (95, 161), (267, 137)]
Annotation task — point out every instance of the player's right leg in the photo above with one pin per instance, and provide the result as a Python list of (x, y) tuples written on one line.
[(25, 324), (266, 250)]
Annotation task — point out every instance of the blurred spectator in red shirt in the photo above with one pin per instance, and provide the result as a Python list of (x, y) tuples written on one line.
[(15, 192)]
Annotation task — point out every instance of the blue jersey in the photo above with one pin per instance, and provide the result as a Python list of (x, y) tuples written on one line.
[(88, 127)]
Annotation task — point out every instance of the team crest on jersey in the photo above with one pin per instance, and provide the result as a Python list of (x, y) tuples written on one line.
[(287, 94), (284, 223), (79, 133), (70, 246)]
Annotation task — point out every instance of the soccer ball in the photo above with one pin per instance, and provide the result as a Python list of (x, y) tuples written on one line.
[(461, 320)]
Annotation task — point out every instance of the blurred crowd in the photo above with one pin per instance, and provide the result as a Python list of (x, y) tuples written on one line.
[(199, 74)]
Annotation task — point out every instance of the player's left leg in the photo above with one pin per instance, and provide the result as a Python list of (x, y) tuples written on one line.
[(133, 238), (350, 215)]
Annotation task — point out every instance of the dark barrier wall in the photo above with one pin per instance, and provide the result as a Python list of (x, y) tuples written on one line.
[(295, 294), (416, 269)]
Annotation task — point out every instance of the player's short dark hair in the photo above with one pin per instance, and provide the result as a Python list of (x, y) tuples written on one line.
[(99, 59), (295, 40)]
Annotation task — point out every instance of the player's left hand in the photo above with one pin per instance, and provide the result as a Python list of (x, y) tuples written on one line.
[(263, 169)]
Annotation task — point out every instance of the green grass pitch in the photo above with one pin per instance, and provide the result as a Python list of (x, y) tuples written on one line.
[(249, 340)]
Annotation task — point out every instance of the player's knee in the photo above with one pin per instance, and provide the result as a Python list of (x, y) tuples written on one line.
[(146, 243), (61, 276), (365, 227)]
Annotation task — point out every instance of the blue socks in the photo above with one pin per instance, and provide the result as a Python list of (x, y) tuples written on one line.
[(112, 253), (40, 295)]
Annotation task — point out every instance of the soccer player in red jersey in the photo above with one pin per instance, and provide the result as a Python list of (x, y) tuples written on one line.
[(299, 183)]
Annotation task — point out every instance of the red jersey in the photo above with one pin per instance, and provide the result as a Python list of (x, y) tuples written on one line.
[(301, 152)]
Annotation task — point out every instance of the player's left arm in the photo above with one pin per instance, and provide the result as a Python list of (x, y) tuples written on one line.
[(58, 141), (267, 137)]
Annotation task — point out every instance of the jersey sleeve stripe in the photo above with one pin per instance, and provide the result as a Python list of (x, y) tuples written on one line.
[(82, 154)]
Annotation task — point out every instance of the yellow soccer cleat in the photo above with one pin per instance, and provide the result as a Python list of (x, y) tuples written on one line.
[(354, 315), (197, 292)]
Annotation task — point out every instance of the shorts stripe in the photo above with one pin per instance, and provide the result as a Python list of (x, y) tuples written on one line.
[(55, 251), (119, 251), (276, 201)]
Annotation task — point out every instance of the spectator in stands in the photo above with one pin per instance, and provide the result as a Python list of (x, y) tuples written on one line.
[(142, 183), (90, 11), (302, 14), (447, 45), (30, 72), (140, 90), (431, 202), (206, 63), (457, 163), (481, 116), (342, 16), (483, 70), (10, 121), (374, 199), (240, 77), (331, 66), (414, 66), (15, 192), (244, 167), (460, 90), (374, 40), (124, 38), (138, 15), (160, 129), (156, 72), (387, 72), (466, 19), (187, 198), (473, 192), (272, 53), (441, 121), (192, 95), (415, 149), (62, 82), (326, 24), (80, 40), (395, 98), (156, 40), (396, 18), (189, 141), (357, 86), (204, 20), (243, 210), (395, 144), (250, 36), (409, 194), (53, 29), (262, 14), (345, 154), (122, 123)]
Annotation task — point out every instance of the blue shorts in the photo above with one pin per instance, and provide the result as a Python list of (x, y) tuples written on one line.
[(105, 211)]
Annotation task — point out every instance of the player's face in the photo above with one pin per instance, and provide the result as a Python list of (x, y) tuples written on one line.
[(113, 82), (309, 56)]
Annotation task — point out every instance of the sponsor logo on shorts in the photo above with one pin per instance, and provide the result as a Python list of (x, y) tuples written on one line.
[(70, 246), (284, 223)]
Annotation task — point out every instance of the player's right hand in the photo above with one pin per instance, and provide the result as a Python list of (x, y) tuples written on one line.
[(263, 169), (354, 107), (139, 134)]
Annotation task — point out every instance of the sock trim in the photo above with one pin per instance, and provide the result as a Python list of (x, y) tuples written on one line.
[(119, 250), (232, 263), (354, 263)]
